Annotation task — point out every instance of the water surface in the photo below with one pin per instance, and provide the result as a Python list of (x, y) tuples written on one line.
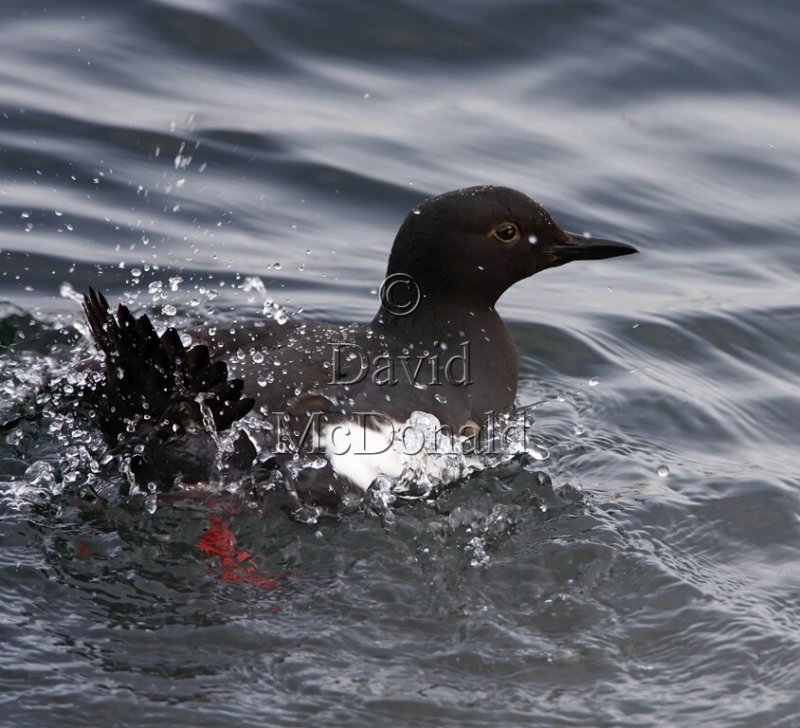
[(644, 574)]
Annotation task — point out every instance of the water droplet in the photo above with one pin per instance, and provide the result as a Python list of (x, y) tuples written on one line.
[(416, 211), (594, 381), (151, 503), (42, 475), (440, 398), (169, 310), (539, 452), (663, 471), (67, 291), (277, 266)]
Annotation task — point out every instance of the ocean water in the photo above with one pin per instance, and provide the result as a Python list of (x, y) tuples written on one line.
[(644, 573)]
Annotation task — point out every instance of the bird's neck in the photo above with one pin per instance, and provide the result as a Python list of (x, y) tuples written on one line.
[(437, 318), (473, 347)]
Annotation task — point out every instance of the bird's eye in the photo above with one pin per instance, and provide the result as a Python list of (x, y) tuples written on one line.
[(506, 232)]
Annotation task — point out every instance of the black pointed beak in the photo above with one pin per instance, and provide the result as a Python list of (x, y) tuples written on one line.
[(578, 247)]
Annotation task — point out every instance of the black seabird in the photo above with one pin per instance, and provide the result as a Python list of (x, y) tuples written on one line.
[(437, 344)]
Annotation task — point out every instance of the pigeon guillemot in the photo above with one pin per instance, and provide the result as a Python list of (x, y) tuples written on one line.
[(436, 345)]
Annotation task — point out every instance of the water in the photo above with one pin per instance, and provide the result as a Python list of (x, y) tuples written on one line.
[(644, 573)]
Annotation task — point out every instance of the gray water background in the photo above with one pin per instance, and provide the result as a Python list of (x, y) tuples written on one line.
[(213, 140)]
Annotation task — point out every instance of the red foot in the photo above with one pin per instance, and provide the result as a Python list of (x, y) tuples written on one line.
[(235, 566), (82, 548)]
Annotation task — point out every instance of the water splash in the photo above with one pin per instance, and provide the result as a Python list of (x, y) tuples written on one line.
[(270, 309), (70, 458)]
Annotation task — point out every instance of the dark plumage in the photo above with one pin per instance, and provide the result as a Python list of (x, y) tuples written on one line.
[(158, 401), (454, 256)]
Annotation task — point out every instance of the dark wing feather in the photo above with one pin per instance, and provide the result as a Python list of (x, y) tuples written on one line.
[(153, 384)]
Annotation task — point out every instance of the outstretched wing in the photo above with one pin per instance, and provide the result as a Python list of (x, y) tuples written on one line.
[(154, 383)]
